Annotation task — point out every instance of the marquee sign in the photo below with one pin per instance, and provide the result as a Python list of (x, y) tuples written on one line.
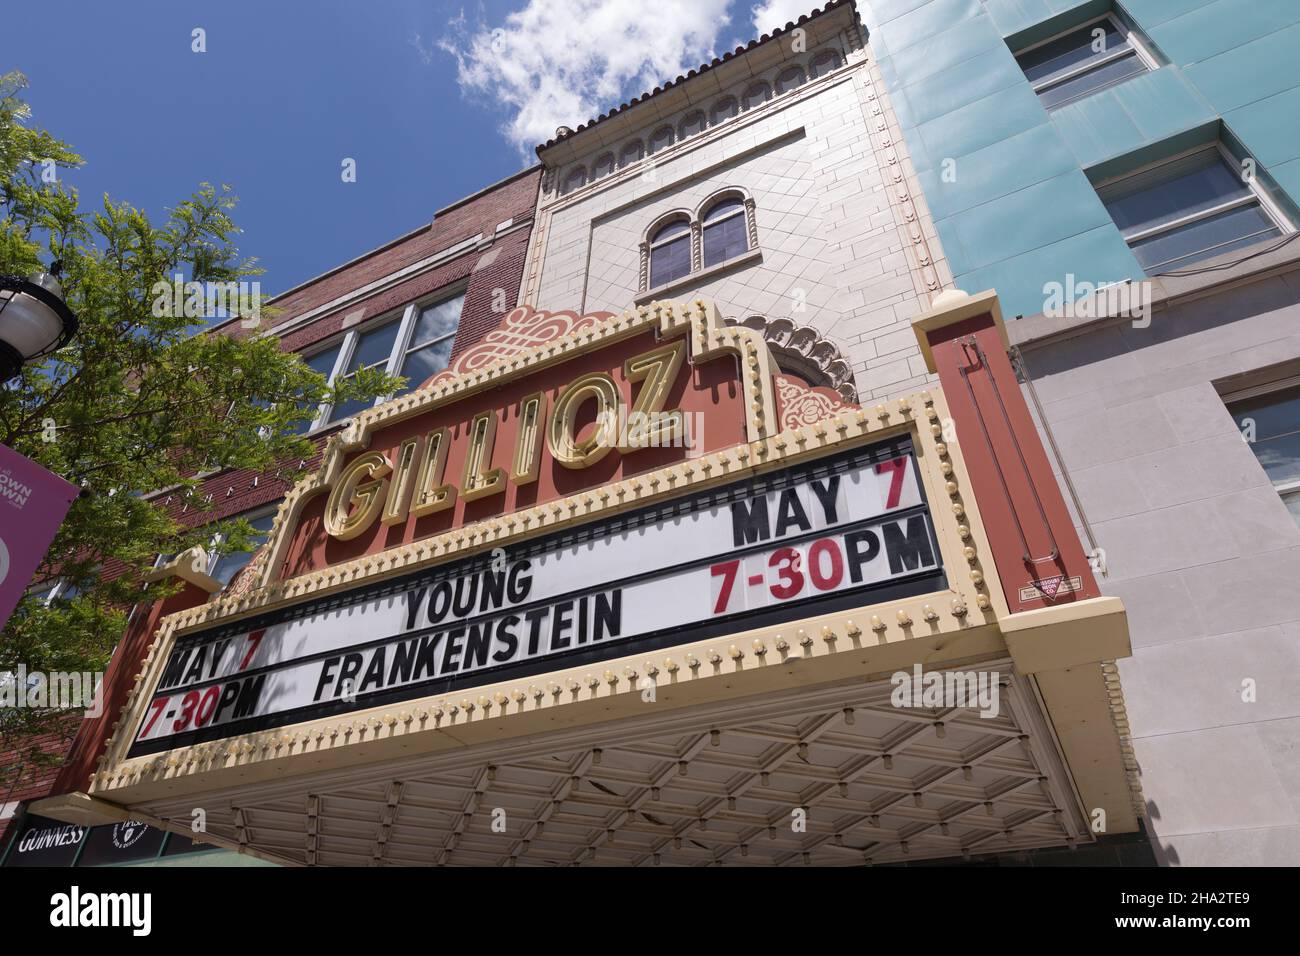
[(790, 551), (844, 531)]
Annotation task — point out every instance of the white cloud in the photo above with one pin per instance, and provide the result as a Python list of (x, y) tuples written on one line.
[(563, 62), (774, 14), (425, 53)]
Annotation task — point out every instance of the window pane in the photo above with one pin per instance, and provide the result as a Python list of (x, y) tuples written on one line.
[(1071, 51), (1273, 422), (44, 591), (71, 590), (724, 240), (323, 362), (670, 229), (374, 347), (1280, 457), (230, 563), (435, 321), (1292, 502), (1204, 239), (720, 209), (670, 261), (1161, 195), (1270, 416), (422, 363), (1077, 87), (348, 409), (603, 166)]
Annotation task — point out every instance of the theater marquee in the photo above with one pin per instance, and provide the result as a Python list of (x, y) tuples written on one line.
[(486, 570), (841, 532), (555, 545)]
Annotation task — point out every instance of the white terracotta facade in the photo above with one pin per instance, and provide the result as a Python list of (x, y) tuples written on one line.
[(800, 130)]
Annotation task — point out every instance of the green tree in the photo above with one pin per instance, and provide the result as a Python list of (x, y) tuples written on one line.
[(141, 400)]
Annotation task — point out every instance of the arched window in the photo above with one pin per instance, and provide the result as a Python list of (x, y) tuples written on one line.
[(576, 179), (823, 63), (631, 153), (692, 124), (757, 95), (723, 110), (790, 79), (726, 234), (670, 252), (661, 139), (603, 166)]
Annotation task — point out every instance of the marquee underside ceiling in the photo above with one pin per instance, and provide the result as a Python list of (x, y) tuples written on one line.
[(879, 784)]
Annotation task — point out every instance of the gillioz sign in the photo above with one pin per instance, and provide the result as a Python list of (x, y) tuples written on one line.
[(544, 436), (544, 423)]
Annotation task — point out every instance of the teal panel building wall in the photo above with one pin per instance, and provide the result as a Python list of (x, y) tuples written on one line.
[(1011, 186)]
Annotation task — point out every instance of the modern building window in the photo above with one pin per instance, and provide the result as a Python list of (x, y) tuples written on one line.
[(757, 95), (324, 363), (823, 63), (223, 567), (46, 591), (692, 124), (723, 110), (725, 232), (1190, 208), (1089, 58), (670, 252), (790, 79), (60, 588), (631, 153), (1270, 424), (661, 139), (432, 334), (373, 349), (603, 166), (415, 345)]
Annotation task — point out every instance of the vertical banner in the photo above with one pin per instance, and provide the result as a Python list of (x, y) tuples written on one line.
[(33, 503)]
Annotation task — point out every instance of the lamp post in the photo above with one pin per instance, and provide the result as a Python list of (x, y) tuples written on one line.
[(34, 320)]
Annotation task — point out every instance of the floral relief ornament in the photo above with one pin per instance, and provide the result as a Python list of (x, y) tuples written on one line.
[(801, 404), (523, 328)]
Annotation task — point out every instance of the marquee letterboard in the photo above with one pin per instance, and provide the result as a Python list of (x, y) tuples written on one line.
[(840, 532)]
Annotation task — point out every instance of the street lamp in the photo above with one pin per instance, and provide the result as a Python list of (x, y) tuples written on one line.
[(34, 320)]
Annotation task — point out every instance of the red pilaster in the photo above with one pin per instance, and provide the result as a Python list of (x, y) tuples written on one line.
[(1035, 548)]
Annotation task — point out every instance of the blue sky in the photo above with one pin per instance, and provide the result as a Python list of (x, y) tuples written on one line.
[(434, 100)]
